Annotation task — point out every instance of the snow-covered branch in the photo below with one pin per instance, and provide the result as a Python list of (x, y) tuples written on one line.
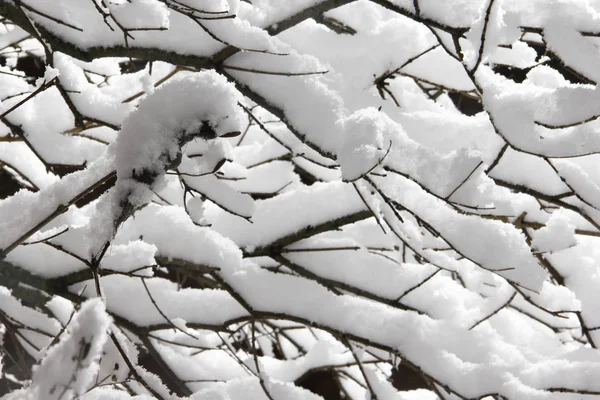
[(298, 200)]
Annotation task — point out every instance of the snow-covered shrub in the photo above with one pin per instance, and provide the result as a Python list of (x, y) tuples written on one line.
[(299, 199)]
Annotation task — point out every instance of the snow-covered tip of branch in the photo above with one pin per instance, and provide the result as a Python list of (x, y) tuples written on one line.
[(68, 368), (201, 105)]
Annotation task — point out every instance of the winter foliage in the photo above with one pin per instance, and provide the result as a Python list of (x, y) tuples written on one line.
[(299, 199)]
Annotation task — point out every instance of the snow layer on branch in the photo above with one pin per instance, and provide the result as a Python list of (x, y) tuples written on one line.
[(428, 68), (258, 146), (93, 29), (139, 14), (201, 105), (213, 6), (368, 136), (10, 34), (357, 266), (222, 194), (356, 59), (496, 26), (156, 129), (447, 352), (136, 256), (162, 227), (19, 157), (11, 85), (493, 245), (23, 211), (575, 50), (280, 174), (579, 266), (290, 213), (579, 181), (209, 365), (43, 260), (364, 146), (560, 102), (107, 393), (313, 109), (42, 120), (128, 298), (558, 234), (157, 223), (263, 13), (446, 132), (384, 390), (456, 13), (102, 103), (70, 366), (529, 171), (12, 309), (582, 14), (517, 111), (250, 388), (322, 353), (205, 156), (520, 55)]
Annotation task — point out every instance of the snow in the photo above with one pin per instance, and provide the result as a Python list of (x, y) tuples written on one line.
[(520, 55), (322, 353), (558, 234), (139, 14), (70, 365), (12, 34), (362, 151), (251, 388), (293, 211), (270, 12), (112, 394), (514, 109), (13, 309), (19, 158), (441, 175), (280, 174), (216, 307), (151, 17), (14, 224), (564, 39), (524, 169), (578, 180), (428, 68), (341, 310), (208, 365), (493, 245), (162, 127), (42, 119), (92, 101), (163, 130), (359, 268), (136, 256), (313, 107), (44, 261), (222, 194), (290, 213), (497, 26)]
